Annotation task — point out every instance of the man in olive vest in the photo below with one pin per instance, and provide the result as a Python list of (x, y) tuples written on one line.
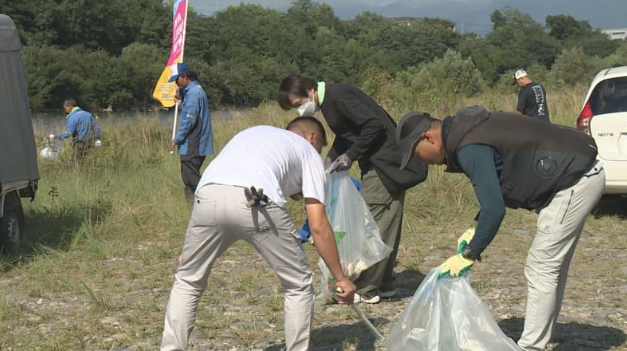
[(517, 163)]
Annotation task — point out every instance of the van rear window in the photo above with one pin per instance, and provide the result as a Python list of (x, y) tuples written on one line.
[(609, 96)]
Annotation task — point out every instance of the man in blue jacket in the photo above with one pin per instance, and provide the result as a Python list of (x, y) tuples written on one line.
[(194, 136), (82, 127)]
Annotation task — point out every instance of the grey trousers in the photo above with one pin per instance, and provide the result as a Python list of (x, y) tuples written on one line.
[(559, 227), (190, 173), (387, 211), (220, 218)]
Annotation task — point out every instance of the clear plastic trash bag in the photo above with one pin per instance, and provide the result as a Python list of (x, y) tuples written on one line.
[(356, 233), (447, 315), (52, 148)]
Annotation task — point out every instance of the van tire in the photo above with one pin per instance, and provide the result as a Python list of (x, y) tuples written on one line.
[(12, 223)]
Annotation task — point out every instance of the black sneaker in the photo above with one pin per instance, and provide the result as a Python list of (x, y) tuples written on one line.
[(387, 294)]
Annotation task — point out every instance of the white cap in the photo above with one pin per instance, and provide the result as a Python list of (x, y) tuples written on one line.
[(520, 73)]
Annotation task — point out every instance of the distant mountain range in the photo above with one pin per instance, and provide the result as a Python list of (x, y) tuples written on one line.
[(473, 15)]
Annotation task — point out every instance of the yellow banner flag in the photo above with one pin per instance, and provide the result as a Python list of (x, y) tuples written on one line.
[(164, 92)]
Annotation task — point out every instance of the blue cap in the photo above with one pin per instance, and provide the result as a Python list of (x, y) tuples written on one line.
[(177, 69)]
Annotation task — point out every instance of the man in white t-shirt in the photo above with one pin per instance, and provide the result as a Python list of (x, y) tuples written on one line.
[(227, 208)]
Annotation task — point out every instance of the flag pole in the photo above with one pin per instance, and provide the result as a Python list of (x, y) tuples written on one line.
[(176, 105), (176, 112)]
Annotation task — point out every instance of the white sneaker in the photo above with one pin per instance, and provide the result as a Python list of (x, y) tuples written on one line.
[(366, 298)]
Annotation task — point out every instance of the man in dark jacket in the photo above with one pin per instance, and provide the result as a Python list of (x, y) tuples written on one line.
[(517, 163), (364, 132)]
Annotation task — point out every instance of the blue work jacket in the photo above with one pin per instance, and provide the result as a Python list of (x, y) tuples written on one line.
[(81, 125), (194, 135)]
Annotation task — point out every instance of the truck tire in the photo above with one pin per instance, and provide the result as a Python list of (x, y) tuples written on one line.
[(12, 223)]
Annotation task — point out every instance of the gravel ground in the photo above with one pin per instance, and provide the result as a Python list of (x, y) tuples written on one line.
[(593, 316), (242, 308)]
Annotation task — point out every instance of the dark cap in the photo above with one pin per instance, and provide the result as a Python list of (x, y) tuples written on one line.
[(177, 69), (408, 132)]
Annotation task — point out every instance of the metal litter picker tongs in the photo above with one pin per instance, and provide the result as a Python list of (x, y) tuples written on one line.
[(365, 319)]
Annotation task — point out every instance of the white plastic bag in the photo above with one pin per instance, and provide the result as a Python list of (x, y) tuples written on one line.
[(447, 315), (52, 148), (356, 233)]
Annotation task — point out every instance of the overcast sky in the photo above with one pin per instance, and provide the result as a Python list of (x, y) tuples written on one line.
[(599, 13)]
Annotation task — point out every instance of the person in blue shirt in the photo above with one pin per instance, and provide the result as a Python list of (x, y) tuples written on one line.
[(82, 127), (194, 137)]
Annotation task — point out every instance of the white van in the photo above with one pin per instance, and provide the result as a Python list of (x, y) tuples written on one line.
[(18, 153)]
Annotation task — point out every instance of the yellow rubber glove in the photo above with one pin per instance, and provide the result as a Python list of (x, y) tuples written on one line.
[(455, 266), (465, 239)]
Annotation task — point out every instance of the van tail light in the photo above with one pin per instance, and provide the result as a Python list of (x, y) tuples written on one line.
[(583, 122)]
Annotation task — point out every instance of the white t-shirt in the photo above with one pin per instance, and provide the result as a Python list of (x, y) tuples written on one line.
[(279, 161)]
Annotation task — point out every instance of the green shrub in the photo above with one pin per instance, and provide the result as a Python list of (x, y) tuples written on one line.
[(573, 67), (443, 81)]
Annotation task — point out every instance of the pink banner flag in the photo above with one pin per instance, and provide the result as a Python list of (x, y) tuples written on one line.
[(164, 92)]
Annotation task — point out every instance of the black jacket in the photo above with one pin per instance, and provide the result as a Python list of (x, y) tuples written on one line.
[(366, 132), (539, 159)]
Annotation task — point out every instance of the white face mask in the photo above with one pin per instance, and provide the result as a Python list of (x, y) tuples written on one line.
[(307, 109)]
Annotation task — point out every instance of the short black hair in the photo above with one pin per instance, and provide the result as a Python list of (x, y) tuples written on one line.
[(193, 76), (69, 102), (307, 123), (296, 85)]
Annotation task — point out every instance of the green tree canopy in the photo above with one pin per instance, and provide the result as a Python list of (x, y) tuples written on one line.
[(111, 53)]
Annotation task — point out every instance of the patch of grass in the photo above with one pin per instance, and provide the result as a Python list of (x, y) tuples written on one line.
[(248, 281), (98, 298), (5, 308), (274, 304)]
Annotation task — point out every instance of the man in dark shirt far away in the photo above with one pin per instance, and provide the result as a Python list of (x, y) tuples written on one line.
[(531, 97)]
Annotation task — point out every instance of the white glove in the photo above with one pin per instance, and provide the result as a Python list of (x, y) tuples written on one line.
[(51, 136), (98, 143)]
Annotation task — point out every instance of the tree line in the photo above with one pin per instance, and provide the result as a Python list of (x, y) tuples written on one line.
[(109, 54)]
